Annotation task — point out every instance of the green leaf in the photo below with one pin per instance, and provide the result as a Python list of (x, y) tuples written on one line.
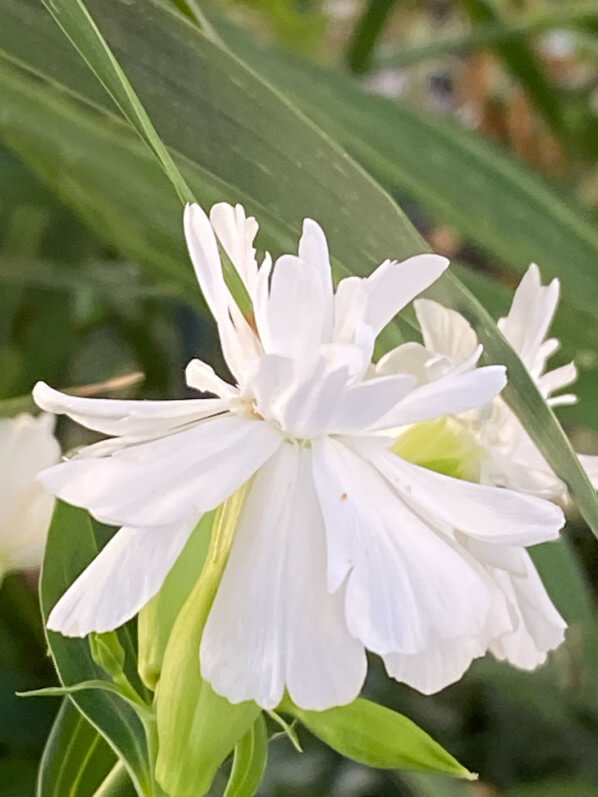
[(376, 736), (474, 187), (141, 709), (195, 92), (76, 757), (72, 16), (70, 547), (197, 729), (249, 762)]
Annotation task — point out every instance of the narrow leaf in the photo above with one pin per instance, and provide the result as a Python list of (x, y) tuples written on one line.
[(76, 757)]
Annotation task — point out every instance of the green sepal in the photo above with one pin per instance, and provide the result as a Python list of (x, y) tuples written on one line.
[(197, 729), (249, 762), (157, 618), (379, 737)]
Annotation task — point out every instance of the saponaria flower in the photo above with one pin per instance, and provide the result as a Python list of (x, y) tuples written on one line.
[(340, 545), (27, 445)]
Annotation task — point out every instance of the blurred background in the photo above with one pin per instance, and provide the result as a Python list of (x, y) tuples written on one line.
[(75, 309)]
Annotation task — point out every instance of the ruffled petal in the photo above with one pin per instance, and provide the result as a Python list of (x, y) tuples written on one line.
[(540, 628), (448, 395), (590, 465), (166, 480), (405, 584), (293, 321), (492, 514), (132, 418), (445, 331), (236, 232), (442, 663), (273, 623), (529, 318), (201, 376), (393, 285), (121, 579)]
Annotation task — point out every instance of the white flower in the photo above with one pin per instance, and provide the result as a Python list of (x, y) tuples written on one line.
[(27, 445), (494, 446), (507, 455), (340, 546)]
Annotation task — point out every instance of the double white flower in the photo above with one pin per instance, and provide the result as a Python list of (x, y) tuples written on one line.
[(506, 455), (27, 445), (341, 546)]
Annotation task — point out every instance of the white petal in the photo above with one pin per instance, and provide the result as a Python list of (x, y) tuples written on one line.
[(312, 407), (449, 395), (201, 376), (133, 418), (273, 624), (590, 465), (239, 343), (120, 580), (350, 306), (540, 627), (165, 480), (313, 249), (408, 358), (236, 233), (530, 316), (492, 514), (442, 663), (271, 384), (557, 379), (445, 331), (404, 584), (393, 285), (363, 404), (203, 250), (295, 315)]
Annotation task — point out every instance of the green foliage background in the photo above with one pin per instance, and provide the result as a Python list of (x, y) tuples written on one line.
[(95, 283)]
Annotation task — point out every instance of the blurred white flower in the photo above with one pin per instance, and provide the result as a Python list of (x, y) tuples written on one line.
[(341, 545), (27, 445)]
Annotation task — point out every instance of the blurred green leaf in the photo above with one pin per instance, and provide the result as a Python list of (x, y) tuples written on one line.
[(76, 758), (552, 788), (367, 32), (72, 658), (376, 736), (249, 762), (571, 15)]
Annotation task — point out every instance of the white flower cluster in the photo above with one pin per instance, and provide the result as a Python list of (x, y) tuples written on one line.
[(342, 545)]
